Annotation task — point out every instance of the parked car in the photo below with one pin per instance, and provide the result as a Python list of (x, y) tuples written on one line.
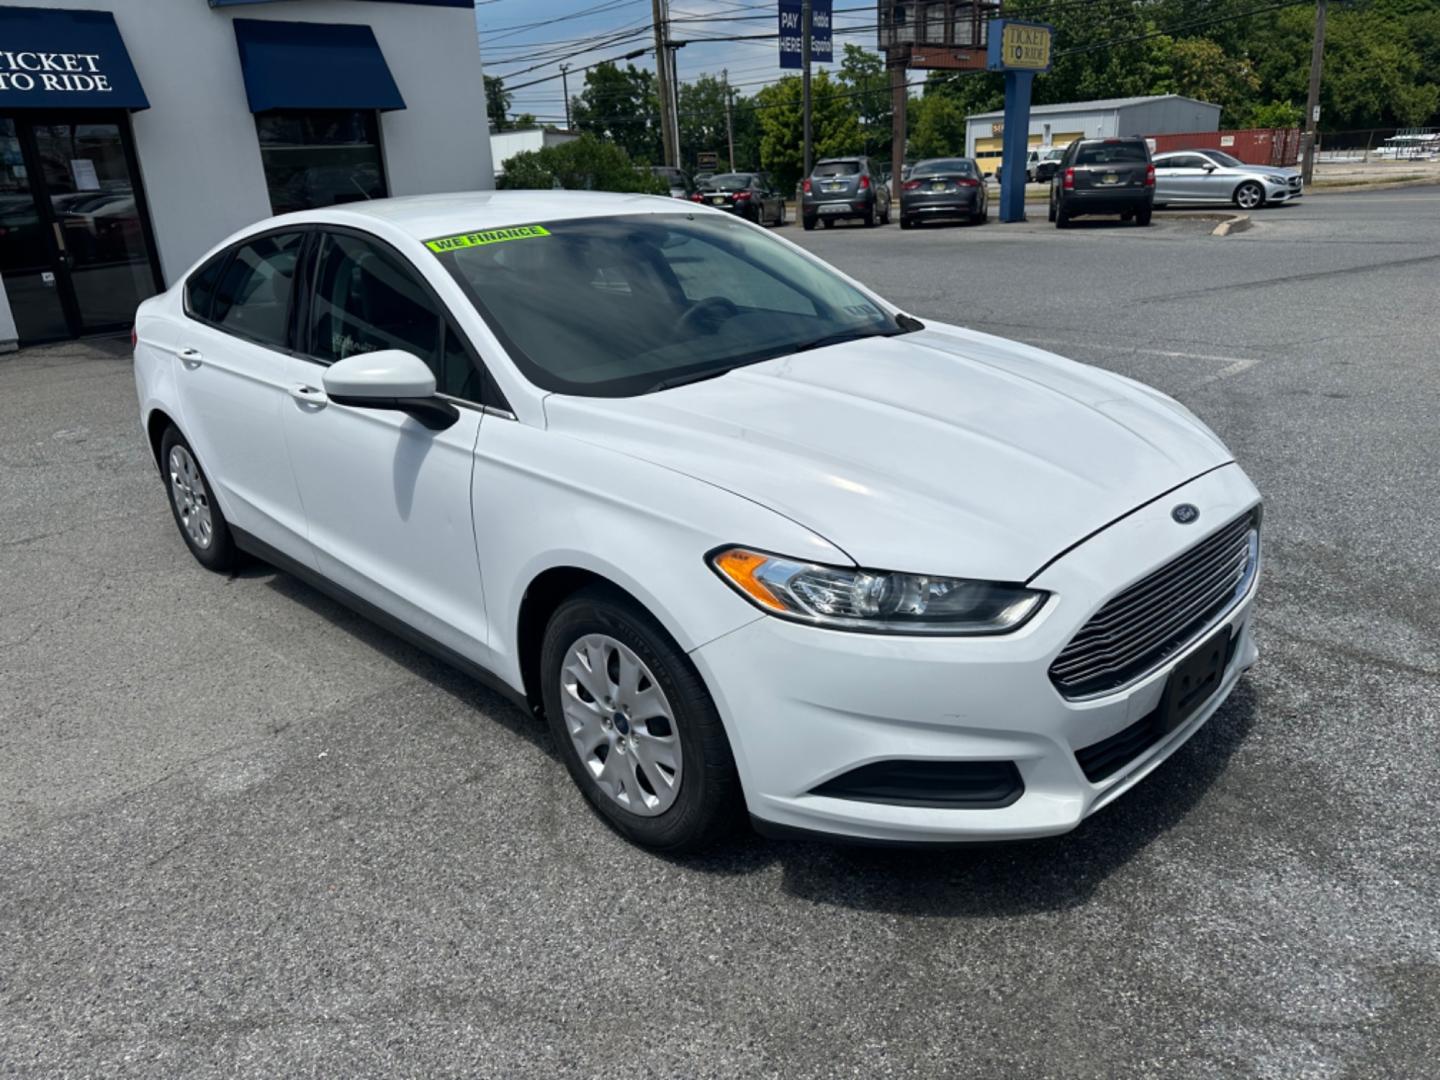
[(681, 186), (944, 188), (1197, 177), (841, 188), (751, 195), (700, 178), (749, 534), (1046, 163), (1103, 176)]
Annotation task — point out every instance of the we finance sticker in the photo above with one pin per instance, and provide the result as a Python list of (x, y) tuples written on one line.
[(489, 236)]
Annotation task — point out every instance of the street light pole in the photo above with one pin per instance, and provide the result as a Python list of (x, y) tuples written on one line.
[(729, 124), (662, 79), (1312, 103), (565, 83)]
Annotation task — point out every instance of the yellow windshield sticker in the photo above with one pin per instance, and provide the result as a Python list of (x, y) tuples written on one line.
[(489, 236)]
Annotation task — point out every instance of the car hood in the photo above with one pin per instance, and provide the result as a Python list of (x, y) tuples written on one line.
[(941, 451), (1267, 170)]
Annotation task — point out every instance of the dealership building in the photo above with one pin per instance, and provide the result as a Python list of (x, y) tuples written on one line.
[(136, 134)]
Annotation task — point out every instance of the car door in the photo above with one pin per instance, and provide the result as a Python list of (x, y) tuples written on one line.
[(1188, 179), (387, 500), (232, 356)]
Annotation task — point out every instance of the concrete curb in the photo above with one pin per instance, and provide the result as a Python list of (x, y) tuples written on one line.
[(1238, 223)]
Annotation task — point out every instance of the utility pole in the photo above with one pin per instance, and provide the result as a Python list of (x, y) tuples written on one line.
[(805, 82), (565, 83), (1312, 103), (729, 124), (662, 79), (899, 101), (674, 48)]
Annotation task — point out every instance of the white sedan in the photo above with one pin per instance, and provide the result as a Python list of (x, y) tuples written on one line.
[(746, 535)]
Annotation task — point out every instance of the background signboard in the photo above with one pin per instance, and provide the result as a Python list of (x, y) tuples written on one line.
[(1019, 46), (791, 26), (707, 159)]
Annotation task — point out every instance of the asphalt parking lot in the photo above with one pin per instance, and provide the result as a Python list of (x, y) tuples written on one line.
[(245, 833)]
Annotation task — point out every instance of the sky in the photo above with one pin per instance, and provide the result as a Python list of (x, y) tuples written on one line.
[(510, 41)]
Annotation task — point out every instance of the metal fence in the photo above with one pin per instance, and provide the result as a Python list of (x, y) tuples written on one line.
[(1254, 146), (1379, 144)]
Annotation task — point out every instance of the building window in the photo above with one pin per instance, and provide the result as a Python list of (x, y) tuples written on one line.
[(320, 158)]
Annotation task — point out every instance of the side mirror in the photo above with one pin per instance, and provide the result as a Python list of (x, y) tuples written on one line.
[(389, 379), (1211, 168)]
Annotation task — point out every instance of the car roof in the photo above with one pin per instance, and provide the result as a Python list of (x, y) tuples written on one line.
[(426, 217)]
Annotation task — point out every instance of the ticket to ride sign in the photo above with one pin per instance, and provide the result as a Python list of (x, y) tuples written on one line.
[(1019, 46)]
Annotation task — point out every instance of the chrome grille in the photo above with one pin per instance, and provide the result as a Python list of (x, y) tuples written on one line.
[(1157, 616)]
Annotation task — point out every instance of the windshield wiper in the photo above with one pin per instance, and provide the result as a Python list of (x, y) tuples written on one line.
[(685, 380), (904, 323)]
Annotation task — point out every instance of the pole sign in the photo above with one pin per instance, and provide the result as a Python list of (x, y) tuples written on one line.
[(1019, 46), (707, 159), (792, 28)]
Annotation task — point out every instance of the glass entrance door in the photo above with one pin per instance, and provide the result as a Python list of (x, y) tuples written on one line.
[(86, 263), (27, 248)]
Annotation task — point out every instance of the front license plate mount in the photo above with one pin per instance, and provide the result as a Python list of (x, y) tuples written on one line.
[(1194, 680)]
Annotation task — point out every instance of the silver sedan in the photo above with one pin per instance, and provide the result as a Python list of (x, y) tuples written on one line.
[(1194, 177)]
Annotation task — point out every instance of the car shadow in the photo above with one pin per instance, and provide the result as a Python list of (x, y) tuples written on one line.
[(985, 880)]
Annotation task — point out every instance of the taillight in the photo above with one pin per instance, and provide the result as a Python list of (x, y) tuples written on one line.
[(134, 339), (805, 187), (864, 183), (911, 185), (1149, 175), (697, 197), (966, 181), (741, 195), (1069, 181)]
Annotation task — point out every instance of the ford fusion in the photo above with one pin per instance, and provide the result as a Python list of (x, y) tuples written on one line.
[(751, 539)]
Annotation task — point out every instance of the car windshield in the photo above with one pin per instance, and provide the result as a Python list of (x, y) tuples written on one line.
[(944, 166), (835, 168), (1109, 153), (623, 305), (727, 181), (1222, 157)]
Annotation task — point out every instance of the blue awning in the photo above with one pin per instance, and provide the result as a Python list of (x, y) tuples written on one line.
[(65, 60), (301, 65)]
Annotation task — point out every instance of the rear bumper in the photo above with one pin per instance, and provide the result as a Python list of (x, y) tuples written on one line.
[(955, 204), (1122, 201), (845, 207)]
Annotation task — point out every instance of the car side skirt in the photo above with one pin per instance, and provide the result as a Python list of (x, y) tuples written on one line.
[(275, 557)]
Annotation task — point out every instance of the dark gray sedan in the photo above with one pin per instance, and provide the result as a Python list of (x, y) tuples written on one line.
[(944, 188)]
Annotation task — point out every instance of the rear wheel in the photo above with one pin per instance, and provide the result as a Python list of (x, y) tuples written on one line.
[(1052, 207), (906, 223), (636, 726), (807, 223), (1142, 217), (1249, 196), (869, 218), (202, 524)]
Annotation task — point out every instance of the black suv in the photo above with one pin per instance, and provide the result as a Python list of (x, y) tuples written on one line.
[(1103, 176), (844, 188)]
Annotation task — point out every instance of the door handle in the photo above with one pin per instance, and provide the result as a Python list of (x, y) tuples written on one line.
[(191, 358), (309, 395)]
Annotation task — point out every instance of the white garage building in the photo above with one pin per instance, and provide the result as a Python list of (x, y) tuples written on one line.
[(1057, 125)]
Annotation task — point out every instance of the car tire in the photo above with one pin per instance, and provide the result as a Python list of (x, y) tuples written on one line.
[(807, 223), (1052, 208), (906, 223), (1062, 219), (1249, 196), (885, 217), (829, 222), (197, 514), (780, 216), (1142, 217), (707, 803), (869, 218)]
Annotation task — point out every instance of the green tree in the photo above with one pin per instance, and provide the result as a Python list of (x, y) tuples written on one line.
[(585, 164), (497, 102), (620, 105), (834, 125), (937, 127), (862, 77), (702, 119)]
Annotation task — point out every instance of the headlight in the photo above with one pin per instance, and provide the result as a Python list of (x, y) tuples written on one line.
[(1280, 180), (873, 600)]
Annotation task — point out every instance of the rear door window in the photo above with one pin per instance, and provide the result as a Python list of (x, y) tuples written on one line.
[(252, 299)]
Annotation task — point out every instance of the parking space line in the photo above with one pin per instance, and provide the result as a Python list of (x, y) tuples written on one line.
[(1234, 365)]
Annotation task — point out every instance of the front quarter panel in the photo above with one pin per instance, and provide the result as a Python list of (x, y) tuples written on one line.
[(543, 500)]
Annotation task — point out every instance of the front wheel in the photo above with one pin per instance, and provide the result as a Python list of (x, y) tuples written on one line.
[(636, 726), (192, 501), (885, 217), (1249, 196)]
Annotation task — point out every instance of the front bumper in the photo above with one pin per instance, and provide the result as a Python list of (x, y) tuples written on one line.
[(804, 705)]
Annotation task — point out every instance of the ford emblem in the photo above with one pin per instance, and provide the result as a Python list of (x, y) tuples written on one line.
[(1185, 513)]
